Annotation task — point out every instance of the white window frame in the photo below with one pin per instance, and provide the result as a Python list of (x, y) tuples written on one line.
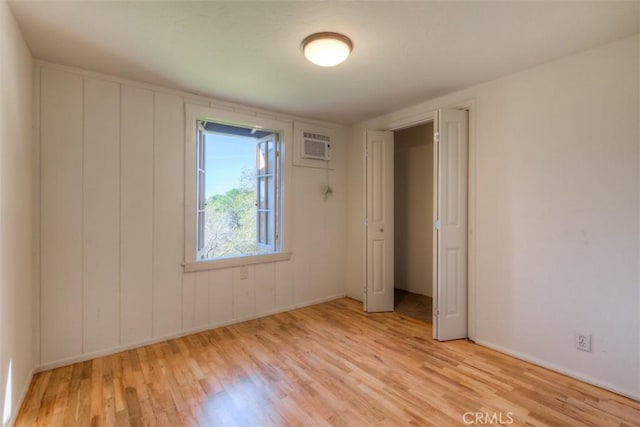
[(271, 199), (195, 113)]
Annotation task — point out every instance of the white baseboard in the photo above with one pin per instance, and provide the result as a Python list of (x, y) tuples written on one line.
[(355, 297), (635, 395), (117, 349), (23, 395)]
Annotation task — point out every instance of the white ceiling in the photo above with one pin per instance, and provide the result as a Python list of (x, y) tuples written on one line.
[(248, 52)]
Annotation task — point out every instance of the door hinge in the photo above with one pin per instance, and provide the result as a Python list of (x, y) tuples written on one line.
[(366, 221), (436, 311), (437, 225), (436, 137), (366, 153)]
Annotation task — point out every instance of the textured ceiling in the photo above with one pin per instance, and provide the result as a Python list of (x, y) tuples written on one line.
[(248, 52)]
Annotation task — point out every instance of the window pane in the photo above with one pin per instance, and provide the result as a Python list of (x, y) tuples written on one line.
[(200, 231), (263, 193), (230, 194), (201, 148), (263, 227), (271, 157), (201, 191), (262, 159)]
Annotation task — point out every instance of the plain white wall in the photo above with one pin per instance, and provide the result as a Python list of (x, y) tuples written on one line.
[(16, 210), (112, 223), (557, 227), (413, 204)]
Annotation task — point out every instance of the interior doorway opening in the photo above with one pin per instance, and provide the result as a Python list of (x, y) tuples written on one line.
[(451, 261), (413, 221)]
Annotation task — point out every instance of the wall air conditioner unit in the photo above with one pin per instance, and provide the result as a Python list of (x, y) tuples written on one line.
[(315, 146)]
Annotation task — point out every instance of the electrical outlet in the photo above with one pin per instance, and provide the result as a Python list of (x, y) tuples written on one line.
[(583, 341), (244, 273)]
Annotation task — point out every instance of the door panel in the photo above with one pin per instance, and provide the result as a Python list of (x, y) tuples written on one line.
[(378, 261), (450, 308), (379, 230)]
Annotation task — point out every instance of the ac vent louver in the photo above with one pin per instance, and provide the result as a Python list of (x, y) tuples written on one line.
[(316, 146)]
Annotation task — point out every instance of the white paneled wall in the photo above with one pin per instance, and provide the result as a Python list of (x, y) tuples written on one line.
[(101, 214), (168, 212), (112, 239), (61, 215), (136, 214)]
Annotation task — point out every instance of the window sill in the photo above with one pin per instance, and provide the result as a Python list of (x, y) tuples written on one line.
[(190, 267)]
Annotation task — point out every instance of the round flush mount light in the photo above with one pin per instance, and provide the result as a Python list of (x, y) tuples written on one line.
[(327, 49)]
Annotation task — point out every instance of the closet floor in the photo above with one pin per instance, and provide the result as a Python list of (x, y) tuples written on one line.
[(413, 305)]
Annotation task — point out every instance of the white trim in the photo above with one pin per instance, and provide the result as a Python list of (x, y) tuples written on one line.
[(236, 261), (363, 286), (426, 115), (21, 398), (436, 231), (37, 208), (471, 107), (412, 120), (83, 184), (183, 333), (285, 130), (558, 369)]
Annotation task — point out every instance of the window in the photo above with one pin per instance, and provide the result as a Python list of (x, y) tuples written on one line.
[(238, 191), (235, 184)]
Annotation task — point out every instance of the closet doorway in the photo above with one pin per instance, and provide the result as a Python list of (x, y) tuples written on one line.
[(450, 259), (413, 221)]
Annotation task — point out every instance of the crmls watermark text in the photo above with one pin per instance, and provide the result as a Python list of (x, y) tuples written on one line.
[(480, 417)]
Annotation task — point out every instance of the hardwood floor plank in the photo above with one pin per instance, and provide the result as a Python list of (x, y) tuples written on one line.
[(326, 365)]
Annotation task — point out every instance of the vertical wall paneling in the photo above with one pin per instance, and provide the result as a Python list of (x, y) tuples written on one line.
[(101, 225), (168, 228), (112, 224), (220, 296), (244, 292), (265, 285), (304, 281), (136, 213), (61, 210), (201, 302), (36, 216), (188, 300), (284, 283), (303, 245), (320, 265)]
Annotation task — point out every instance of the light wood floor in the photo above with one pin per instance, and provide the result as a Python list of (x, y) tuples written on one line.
[(329, 364)]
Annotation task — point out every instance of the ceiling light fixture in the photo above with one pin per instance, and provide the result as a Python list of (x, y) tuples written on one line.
[(327, 49)]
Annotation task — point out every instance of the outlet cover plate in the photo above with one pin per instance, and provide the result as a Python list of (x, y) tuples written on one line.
[(583, 341)]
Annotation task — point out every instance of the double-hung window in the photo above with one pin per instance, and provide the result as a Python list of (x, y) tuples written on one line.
[(236, 183)]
